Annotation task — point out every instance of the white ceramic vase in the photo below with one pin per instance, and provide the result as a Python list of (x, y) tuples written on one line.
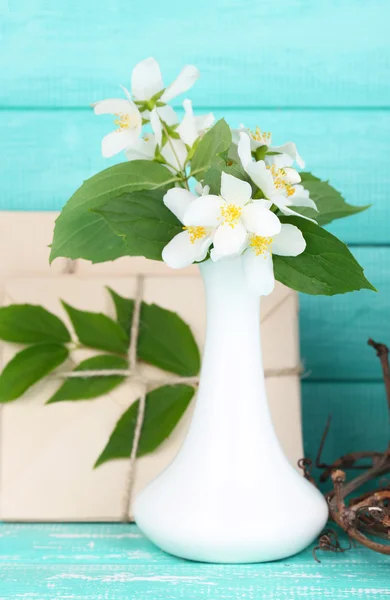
[(230, 495)]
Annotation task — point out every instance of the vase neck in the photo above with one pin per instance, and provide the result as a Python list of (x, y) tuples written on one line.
[(231, 401), (233, 311), (232, 368)]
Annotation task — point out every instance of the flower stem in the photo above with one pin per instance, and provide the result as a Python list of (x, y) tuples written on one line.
[(179, 171)]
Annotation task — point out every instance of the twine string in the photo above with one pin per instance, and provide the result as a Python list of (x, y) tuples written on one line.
[(155, 382), (132, 354), (135, 321)]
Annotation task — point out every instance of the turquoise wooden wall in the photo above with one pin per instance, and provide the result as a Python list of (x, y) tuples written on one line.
[(316, 72)]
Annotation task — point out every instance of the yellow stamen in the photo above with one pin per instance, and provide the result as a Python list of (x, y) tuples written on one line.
[(280, 181), (230, 214), (290, 189), (195, 233), (260, 245), (261, 136), (125, 121)]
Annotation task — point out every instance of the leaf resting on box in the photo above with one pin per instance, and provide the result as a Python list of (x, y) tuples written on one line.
[(164, 340), (30, 324), (91, 387), (163, 410), (29, 366), (96, 330)]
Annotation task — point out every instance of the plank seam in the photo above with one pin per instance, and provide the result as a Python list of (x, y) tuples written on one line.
[(317, 108)]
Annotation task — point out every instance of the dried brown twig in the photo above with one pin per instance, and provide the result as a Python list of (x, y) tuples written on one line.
[(368, 514), (329, 542)]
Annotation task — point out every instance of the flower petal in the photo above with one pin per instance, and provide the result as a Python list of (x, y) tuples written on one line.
[(127, 93), (146, 79), (262, 177), (116, 141), (116, 106), (204, 211), (156, 126), (299, 160), (175, 153), (183, 82), (234, 190), (288, 153), (292, 176), (280, 202), (143, 149), (187, 128), (244, 149), (202, 190), (302, 198), (167, 114), (264, 203), (260, 220), (259, 272), (230, 240), (178, 200), (289, 242), (204, 122), (215, 257), (180, 252)]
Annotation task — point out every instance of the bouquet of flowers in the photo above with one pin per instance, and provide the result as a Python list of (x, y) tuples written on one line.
[(194, 189)]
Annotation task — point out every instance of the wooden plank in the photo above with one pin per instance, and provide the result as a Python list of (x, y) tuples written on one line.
[(85, 562), (334, 330), (46, 156), (250, 53), (359, 418)]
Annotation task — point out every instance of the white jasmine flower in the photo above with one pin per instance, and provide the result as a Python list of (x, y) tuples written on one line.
[(147, 81), (284, 156), (257, 259), (279, 185), (231, 216), (175, 150), (147, 89), (227, 221), (128, 121), (192, 244)]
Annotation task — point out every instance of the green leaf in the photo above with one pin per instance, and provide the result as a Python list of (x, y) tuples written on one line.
[(212, 177), (91, 387), (29, 324), (164, 408), (164, 340), (325, 267), (143, 221), (216, 141), (81, 233), (124, 310), (330, 203), (96, 330), (29, 366)]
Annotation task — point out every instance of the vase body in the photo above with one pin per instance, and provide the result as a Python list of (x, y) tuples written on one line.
[(230, 494)]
